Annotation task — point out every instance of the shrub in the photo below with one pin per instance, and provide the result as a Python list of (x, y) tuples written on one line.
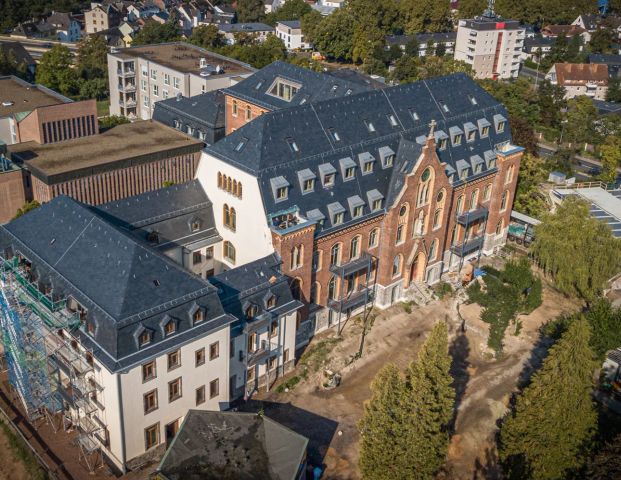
[(443, 289)]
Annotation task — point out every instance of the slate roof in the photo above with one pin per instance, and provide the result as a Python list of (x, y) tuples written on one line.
[(251, 283), (125, 286), (314, 86), (170, 212), (608, 59), (534, 43), (354, 76), (205, 109), (233, 445), (250, 27), (296, 24), (268, 151)]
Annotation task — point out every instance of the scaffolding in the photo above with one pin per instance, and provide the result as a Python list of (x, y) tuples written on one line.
[(47, 367)]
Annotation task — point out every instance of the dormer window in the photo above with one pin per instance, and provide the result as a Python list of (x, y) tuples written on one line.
[(393, 120), (501, 126), (442, 144), (348, 168), (284, 89), (414, 115), (356, 206), (358, 211), (309, 185), (195, 226), (170, 328), (337, 213), (375, 199), (328, 179), (144, 338), (251, 311), (292, 145), (485, 132), (307, 180), (457, 140), (350, 172), (335, 135), (328, 174), (281, 193), (387, 155), (473, 100), (240, 146), (500, 123), (280, 188), (198, 316), (338, 218), (271, 302), (370, 126), (153, 237), (472, 135)]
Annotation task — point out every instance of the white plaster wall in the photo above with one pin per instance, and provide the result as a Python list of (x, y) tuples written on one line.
[(192, 378), (252, 239)]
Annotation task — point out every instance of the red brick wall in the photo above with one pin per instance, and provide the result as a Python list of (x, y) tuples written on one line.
[(66, 117), (233, 122), (117, 184), (12, 194)]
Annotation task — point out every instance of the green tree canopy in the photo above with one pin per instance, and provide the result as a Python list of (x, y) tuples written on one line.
[(10, 66), (207, 36), (580, 118), (257, 54), (602, 40), (552, 424), (610, 154), (426, 16), (471, 8), (92, 57), (250, 11), (155, 32), (576, 250), (333, 37), (55, 71), (31, 205), (606, 465), (528, 198), (291, 10)]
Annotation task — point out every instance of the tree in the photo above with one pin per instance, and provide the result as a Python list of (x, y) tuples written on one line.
[(334, 35), (552, 424), (601, 40), (207, 36), (528, 198), (290, 10), (605, 323), (581, 117), (10, 66), (523, 133), (55, 71), (606, 465), (471, 8), (31, 205), (381, 427), (550, 102), (610, 154), (92, 58), (412, 47), (154, 32), (426, 16), (519, 97), (440, 49), (576, 250), (406, 69), (112, 121), (257, 54), (310, 24), (614, 90), (250, 11), (429, 406)]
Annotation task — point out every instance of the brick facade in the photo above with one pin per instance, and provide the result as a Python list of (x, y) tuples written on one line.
[(13, 190), (102, 187), (233, 120)]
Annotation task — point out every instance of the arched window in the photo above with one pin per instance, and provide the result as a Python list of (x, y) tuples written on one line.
[(437, 217), (234, 192), (454, 234), (460, 204), (419, 224), (487, 192), (374, 238), (403, 210), (433, 250), (234, 108), (396, 266), (219, 180), (423, 189), (474, 196), (226, 215), (233, 219), (499, 226), (239, 189), (354, 249), (228, 251), (509, 175), (315, 293), (297, 256), (503, 200), (296, 288), (332, 291), (248, 112), (400, 236), (335, 255), (440, 198), (229, 184)]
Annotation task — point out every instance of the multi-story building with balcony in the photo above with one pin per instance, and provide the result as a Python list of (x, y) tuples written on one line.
[(140, 76), (590, 79), (490, 44), (367, 197)]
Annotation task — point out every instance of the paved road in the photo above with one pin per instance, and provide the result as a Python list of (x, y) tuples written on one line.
[(36, 48), (532, 74)]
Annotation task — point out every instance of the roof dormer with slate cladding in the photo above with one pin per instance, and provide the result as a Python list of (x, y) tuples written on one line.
[(294, 143)]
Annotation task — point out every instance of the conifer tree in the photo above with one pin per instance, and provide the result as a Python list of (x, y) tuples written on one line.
[(554, 418), (381, 427), (429, 406)]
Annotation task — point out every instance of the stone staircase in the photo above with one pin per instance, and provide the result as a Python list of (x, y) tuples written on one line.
[(420, 293)]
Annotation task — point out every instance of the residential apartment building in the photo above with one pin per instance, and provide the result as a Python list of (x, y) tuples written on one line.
[(278, 86), (123, 161), (64, 27), (258, 31), (132, 341), (101, 17), (290, 32), (366, 197), (590, 79), (427, 42), (491, 45), (140, 76)]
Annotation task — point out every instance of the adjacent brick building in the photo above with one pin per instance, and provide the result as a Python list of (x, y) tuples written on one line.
[(126, 160)]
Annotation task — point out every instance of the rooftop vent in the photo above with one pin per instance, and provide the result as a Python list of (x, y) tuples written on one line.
[(7, 103)]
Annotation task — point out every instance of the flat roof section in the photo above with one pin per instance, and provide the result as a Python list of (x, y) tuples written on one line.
[(605, 205), (129, 142), (185, 58), (18, 96)]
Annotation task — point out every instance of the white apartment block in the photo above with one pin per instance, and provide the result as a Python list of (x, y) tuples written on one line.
[(492, 46), (290, 32), (140, 76)]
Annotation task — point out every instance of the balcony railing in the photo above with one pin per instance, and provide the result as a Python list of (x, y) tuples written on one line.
[(267, 350), (126, 73), (469, 246), (353, 300), (127, 87), (363, 262), (472, 216)]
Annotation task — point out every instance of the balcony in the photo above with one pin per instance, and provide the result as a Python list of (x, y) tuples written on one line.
[(472, 216), (363, 262), (127, 87), (267, 350), (126, 73), (353, 300), (468, 246)]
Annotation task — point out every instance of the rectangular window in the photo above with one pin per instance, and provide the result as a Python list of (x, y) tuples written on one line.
[(209, 253), (501, 127), (370, 126), (292, 145), (457, 139), (392, 120), (199, 356), (200, 395), (485, 132), (176, 82), (151, 436), (281, 193), (196, 258), (285, 356), (174, 390), (358, 211), (273, 329), (166, 79), (388, 161), (349, 172), (367, 167), (156, 90), (174, 359), (150, 401), (153, 74), (442, 145), (377, 204), (143, 85), (328, 179), (214, 350), (214, 388), (309, 185), (164, 94), (338, 218)]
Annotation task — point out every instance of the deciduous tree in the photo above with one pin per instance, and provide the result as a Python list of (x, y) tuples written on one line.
[(581, 117), (610, 154), (55, 71), (250, 11), (529, 199), (471, 8), (576, 250), (154, 32), (554, 419), (606, 465), (291, 10), (207, 36)]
